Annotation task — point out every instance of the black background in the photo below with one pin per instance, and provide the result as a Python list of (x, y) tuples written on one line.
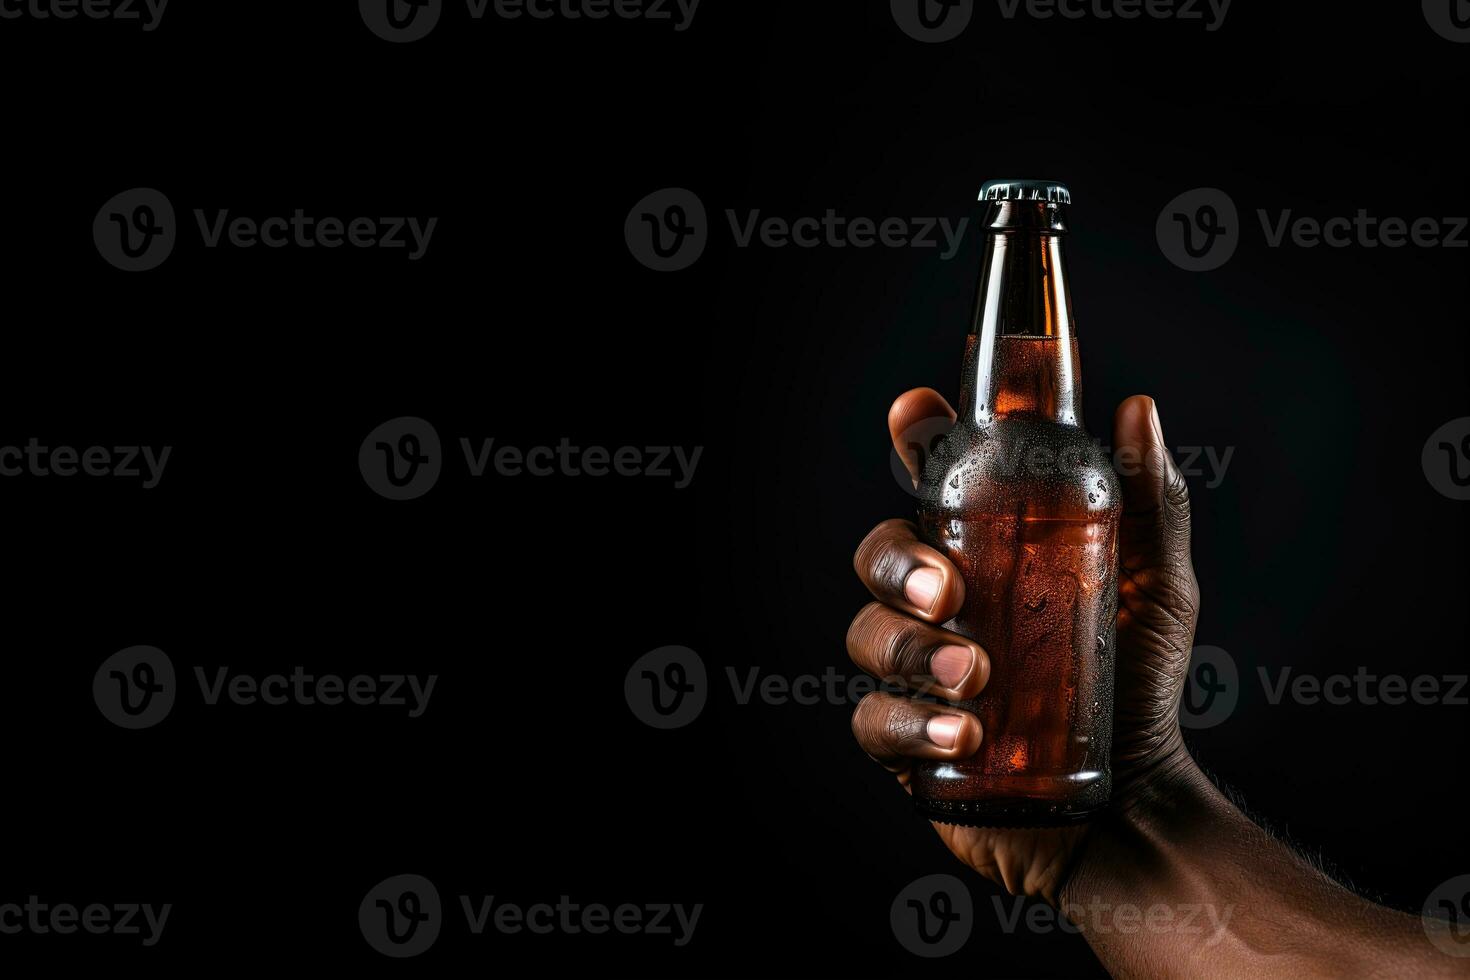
[(528, 778)]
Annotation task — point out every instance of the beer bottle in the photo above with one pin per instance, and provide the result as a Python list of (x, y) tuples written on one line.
[(1026, 505)]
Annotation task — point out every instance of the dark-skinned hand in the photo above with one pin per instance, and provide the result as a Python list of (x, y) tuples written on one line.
[(902, 636)]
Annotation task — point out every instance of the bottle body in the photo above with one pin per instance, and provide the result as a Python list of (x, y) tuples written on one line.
[(1026, 506), (1039, 561)]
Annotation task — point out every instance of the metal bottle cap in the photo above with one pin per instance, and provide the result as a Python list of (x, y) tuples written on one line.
[(1025, 190)]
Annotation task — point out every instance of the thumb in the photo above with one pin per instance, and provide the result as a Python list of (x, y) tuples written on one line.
[(1153, 545), (1158, 598)]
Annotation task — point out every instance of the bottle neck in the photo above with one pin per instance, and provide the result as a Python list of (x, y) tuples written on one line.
[(1021, 357)]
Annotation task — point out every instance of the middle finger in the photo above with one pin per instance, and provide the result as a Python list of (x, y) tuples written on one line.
[(890, 645)]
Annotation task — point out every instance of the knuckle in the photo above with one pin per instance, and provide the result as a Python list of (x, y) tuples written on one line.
[(879, 554), (1176, 494), (863, 627), (905, 727), (869, 717), (861, 557), (903, 653), (886, 563)]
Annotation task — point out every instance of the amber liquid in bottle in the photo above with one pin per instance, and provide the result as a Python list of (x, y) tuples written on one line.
[(1026, 505)]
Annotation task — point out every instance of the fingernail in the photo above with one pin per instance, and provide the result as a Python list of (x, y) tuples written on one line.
[(944, 730), (922, 587), (950, 665)]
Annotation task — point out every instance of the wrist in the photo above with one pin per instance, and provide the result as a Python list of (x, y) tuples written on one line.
[(1149, 800), (1154, 786)]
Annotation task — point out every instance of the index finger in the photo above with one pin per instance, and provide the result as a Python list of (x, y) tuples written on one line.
[(909, 411), (903, 572)]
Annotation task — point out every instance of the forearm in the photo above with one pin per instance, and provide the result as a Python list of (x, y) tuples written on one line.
[(1179, 883)]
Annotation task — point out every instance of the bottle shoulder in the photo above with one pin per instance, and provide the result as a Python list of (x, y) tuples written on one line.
[(1017, 464)]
